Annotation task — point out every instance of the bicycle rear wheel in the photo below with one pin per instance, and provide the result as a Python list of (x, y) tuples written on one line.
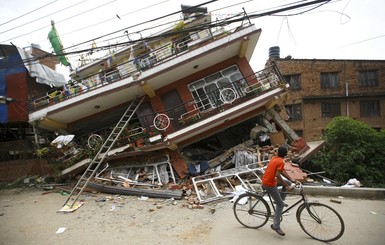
[(251, 210), (320, 222)]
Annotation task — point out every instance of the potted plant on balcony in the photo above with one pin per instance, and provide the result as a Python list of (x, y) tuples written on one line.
[(190, 119)]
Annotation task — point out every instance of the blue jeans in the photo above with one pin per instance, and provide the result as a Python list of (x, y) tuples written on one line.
[(283, 195), (276, 195)]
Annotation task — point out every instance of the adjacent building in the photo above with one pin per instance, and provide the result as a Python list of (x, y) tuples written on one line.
[(321, 89), (20, 80)]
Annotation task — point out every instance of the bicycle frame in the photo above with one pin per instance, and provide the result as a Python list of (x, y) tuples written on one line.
[(319, 221), (302, 200)]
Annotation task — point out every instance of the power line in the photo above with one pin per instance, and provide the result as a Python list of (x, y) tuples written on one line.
[(29, 22), (124, 44), (365, 40), (62, 20), (27, 13), (104, 21), (226, 21), (135, 25)]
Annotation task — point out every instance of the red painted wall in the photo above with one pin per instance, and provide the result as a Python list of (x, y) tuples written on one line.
[(16, 85)]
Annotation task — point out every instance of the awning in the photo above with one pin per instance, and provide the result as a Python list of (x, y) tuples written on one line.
[(42, 73)]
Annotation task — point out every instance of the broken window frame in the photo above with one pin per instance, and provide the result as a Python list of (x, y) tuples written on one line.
[(160, 173), (207, 186), (294, 111)]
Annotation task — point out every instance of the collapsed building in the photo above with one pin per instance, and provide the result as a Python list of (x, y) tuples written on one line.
[(174, 106)]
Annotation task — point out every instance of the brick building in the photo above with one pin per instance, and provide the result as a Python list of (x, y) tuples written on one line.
[(322, 89), (17, 136)]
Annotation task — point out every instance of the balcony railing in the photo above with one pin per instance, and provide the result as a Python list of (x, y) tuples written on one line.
[(131, 68), (146, 132)]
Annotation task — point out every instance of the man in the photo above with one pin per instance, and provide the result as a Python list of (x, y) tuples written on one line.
[(274, 171)]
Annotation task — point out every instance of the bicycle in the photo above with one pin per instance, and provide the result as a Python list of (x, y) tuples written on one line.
[(317, 220)]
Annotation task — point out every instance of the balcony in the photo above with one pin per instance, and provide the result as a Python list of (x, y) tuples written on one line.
[(195, 118), (129, 70)]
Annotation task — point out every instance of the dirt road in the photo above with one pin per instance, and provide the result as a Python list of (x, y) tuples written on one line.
[(29, 217)]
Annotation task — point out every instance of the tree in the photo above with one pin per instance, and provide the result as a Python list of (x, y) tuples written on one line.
[(352, 150)]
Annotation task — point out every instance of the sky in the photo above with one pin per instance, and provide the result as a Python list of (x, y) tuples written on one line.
[(340, 29)]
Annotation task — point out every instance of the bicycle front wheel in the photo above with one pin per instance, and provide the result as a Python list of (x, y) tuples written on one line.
[(251, 210), (320, 222)]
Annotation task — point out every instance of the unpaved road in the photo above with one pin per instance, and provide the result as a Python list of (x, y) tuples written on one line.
[(29, 217)]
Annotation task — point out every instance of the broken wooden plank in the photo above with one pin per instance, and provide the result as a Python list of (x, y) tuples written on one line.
[(155, 193)]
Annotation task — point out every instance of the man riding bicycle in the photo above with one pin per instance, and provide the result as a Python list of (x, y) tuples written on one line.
[(274, 171)]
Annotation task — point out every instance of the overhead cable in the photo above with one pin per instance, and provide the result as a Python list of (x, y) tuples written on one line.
[(29, 22), (27, 13)]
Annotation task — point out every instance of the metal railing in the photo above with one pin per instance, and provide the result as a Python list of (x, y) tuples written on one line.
[(124, 70), (145, 132), (205, 106)]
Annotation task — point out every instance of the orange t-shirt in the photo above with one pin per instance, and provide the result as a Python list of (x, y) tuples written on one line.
[(268, 178)]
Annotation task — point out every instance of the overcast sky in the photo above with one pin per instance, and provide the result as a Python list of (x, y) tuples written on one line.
[(345, 29)]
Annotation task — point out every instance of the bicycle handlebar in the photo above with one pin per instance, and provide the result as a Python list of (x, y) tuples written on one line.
[(298, 186)]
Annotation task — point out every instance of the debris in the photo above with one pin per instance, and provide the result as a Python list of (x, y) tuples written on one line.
[(154, 192), (68, 209), (47, 192), (168, 200), (143, 198), (353, 183), (62, 140), (336, 201), (113, 207), (326, 181), (63, 193), (197, 206), (102, 199), (47, 187), (60, 230), (372, 212)]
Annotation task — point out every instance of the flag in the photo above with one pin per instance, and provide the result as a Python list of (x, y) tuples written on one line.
[(57, 45)]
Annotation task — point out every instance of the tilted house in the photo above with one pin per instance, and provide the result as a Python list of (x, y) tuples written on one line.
[(163, 94)]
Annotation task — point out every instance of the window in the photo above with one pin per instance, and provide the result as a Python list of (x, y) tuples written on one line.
[(207, 91), (368, 78), (294, 81), (294, 111), (330, 109), (330, 80), (370, 108)]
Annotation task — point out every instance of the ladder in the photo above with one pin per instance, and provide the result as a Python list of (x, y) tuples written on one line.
[(92, 168)]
